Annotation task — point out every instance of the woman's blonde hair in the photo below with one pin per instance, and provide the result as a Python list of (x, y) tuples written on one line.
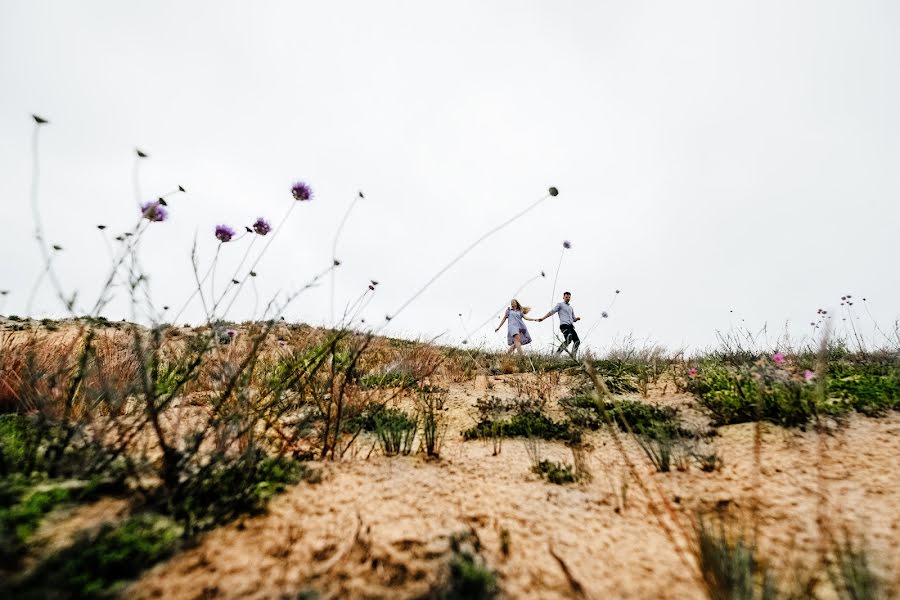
[(524, 309)]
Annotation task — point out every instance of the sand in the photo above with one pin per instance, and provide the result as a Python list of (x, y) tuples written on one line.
[(380, 527)]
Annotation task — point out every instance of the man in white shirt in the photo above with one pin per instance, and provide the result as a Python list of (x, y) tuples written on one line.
[(567, 321)]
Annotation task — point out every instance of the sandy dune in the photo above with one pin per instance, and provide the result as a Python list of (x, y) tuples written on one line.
[(380, 527)]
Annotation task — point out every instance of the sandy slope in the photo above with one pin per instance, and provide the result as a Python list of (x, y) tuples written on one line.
[(380, 527)]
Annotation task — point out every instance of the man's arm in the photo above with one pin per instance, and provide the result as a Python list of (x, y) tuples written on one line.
[(552, 311)]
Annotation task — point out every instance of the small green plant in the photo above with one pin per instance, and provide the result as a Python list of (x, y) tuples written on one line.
[(850, 573), (556, 472), (468, 576), (396, 431), (660, 449), (432, 407), (730, 567)]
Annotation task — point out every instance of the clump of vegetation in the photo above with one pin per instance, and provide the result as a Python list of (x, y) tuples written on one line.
[(468, 576), (642, 418), (225, 488), (556, 472), (526, 424), (396, 431), (388, 379), (771, 390), (432, 407), (851, 574), (100, 565), (730, 566)]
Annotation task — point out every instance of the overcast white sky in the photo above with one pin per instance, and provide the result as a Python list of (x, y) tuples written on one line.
[(710, 156)]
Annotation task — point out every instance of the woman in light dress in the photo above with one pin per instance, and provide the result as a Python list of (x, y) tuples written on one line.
[(516, 333)]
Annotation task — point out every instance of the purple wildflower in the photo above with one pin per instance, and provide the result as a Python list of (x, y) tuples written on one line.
[(692, 372), (230, 333), (808, 375), (224, 233), (302, 191), (261, 226), (567, 244), (604, 314), (778, 358), (154, 211)]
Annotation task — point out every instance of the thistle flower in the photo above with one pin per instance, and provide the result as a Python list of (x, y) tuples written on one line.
[(301, 191), (154, 212), (224, 233), (604, 314), (567, 244), (692, 372), (553, 191), (808, 375), (778, 358), (617, 291), (230, 333), (261, 226)]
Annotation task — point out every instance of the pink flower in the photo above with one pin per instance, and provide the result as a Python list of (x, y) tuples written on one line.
[(778, 358), (808, 375), (692, 372)]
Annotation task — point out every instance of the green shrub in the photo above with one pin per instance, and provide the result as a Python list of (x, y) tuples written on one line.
[(226, 488), (20, 519), (527, 424), (100, 565), (741, 395), (851, 575), (766, 392), (645, 419), (730, 568), (555, 472), (396, 431)]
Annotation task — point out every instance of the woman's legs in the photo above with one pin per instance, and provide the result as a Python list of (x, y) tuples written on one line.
[(516, 345)]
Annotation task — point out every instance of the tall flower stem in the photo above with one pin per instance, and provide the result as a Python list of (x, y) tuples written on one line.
[(259, 257), (337, 236), (38, 223), (469, 248), (494, 314)]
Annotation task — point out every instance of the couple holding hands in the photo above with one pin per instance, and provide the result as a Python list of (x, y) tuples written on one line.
[(517, 334)]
